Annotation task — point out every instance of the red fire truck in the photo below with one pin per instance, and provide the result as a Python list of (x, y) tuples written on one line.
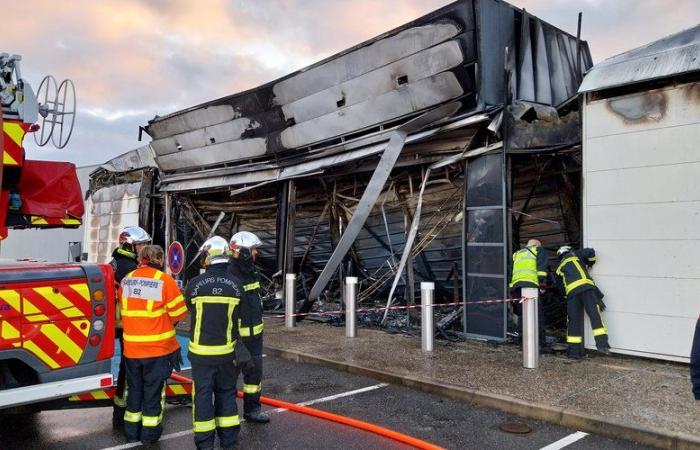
[(56, 320)]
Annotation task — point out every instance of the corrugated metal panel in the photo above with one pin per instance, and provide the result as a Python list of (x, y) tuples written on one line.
[(108, 211), (673, 55)]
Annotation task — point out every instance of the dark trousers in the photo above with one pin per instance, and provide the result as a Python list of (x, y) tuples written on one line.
[(695, 362), (214, 404), (252, 376), (146, 379), (575, 306), (518, 310), (120, 395)]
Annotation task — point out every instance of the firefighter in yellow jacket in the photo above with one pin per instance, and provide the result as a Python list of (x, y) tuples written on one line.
[(529, 271), (150, 304)]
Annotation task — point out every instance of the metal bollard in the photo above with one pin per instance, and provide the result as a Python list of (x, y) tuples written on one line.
[(531, 337), (350, 307), (427, 294), (290, 291)]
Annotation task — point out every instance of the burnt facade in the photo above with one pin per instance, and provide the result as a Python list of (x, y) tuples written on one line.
[(424, 154)]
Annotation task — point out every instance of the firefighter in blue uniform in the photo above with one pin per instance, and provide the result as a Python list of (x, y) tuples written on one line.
[(529, 271), (244, 246), (582, 295), (213, 299), (695, 362)]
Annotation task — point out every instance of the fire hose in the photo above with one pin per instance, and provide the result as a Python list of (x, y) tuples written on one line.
[(355, 423)]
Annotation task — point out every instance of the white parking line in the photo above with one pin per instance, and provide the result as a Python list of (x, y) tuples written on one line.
[(568, 440), (307, 403)]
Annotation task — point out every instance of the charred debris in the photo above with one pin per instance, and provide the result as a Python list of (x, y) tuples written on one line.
[(425, 154)]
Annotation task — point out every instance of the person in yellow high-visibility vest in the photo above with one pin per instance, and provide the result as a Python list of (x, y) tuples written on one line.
[(529, 271)]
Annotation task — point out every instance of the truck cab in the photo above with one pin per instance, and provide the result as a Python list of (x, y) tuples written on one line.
[(56, 330)]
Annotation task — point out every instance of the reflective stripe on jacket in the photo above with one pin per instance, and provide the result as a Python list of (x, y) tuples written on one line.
[(573, 274), (150, 304), (213, 299)]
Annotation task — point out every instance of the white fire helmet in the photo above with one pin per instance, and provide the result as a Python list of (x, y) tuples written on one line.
[(216, 250), (134, 235), (563, 250), (245, 239)]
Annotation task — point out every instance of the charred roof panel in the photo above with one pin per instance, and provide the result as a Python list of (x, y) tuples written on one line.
[(375, 86), (673, 55)]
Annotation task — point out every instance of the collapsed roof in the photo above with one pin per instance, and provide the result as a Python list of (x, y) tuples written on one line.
[(344, 107)]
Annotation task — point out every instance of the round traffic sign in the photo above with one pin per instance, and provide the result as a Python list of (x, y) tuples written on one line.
[(176, 257)]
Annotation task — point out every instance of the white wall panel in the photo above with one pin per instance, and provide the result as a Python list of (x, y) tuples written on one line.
[(663, 297), (641, 212), (643, 111), (655, 147), (665, 338), (675, 183), (643, 221), (657, 259)]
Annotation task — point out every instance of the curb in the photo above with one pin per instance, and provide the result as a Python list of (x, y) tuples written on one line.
[(537, 411)]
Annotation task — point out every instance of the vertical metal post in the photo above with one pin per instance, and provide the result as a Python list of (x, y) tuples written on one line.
[(531, 345), (427, 293), (168, 207), (350, 307), (290, 290)]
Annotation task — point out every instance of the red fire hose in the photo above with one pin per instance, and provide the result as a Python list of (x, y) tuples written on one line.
[(381, 431)]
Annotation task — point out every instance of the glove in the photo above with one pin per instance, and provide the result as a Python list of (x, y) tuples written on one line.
[(599, 299), (243, 358)]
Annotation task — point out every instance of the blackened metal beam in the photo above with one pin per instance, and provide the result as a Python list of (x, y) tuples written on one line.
[(374, 188)]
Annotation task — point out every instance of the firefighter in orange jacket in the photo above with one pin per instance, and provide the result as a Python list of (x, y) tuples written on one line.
[(150, 304)]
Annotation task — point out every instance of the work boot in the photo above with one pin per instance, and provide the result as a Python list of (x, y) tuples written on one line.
[(257, 417), (118, 418), (605, 351)]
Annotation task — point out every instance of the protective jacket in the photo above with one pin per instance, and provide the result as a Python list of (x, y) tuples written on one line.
[(529, 267), (150, 305), (213, 299), (123, 263), (573, 273), (251, 316)]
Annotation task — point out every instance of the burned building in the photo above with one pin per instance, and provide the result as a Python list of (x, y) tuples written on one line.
[(424, 154)]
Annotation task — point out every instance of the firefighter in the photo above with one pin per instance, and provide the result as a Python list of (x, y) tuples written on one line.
[(695, 362), (244, 246), (213, 299), (582, 295), (529, 271), (124, 261), (151, 304)]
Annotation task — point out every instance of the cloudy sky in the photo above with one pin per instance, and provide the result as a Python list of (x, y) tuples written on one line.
[(131, 60)]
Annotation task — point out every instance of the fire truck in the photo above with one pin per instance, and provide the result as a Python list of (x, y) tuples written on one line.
[(56, 320)]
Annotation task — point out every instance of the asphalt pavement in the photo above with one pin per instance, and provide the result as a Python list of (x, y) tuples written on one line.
[(441, 421)]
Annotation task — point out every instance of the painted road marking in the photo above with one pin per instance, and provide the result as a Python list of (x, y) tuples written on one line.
[(307, 403), (568, 440)]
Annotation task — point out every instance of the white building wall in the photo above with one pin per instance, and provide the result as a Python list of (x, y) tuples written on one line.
[(641, 213), (107, 212), (51, 244)]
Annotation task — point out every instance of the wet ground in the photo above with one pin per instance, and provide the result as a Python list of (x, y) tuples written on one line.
[(437, 420), (641, 393)]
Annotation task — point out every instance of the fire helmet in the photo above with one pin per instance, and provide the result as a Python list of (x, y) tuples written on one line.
[(245, 239), (133, 235), (216, 250), (564, 249)]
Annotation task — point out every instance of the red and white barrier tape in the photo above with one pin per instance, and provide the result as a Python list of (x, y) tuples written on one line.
[(435, 305)]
